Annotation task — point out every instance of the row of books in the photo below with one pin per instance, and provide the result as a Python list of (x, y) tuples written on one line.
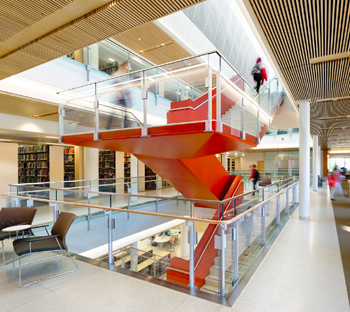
[(68, 157), (106, 171), (40, 156), (33, 164), (107, 165), (33, 172), (32, 179), (33, 149), (69, 150)]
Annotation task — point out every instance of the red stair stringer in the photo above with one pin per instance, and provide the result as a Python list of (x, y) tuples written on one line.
[(205, 252)]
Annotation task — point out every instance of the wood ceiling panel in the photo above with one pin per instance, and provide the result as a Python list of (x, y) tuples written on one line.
[(301, 32), (99, 24), (26, 107), (152, 36)]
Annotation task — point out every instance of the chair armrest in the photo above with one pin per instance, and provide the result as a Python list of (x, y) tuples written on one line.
[(36, 239), (39, 226)]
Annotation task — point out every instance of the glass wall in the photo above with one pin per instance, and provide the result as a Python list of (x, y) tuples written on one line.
[(341, 161), (108, 56)]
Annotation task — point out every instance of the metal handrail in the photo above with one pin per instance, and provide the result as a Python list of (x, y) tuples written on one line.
[(161, 65), (222, 222), (160, 197)]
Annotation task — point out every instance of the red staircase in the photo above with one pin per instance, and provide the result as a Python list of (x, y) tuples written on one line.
[(183, 153)]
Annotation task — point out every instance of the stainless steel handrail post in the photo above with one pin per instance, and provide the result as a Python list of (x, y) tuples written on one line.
[(192, 238), (278, 210), (97, 116), (287, 201), (129, 192), (61, 115), (111, 227), (144, 96), (294, 196), (258, 127), (235, 252), (218, 101), (263, 223), (222, 259), (209, 84), (157, 195), (89, 212), (242, 120)]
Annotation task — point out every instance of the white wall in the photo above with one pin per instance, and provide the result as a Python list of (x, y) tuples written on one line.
[(251, 158), (8, 168)]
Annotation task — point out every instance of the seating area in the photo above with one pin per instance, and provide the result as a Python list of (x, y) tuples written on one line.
[(16, 224)]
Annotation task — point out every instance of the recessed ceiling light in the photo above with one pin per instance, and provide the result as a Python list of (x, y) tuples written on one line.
[(139, 38), (51, 137), (111, 59), (141, 51), (5, 140), (334, 99), (162, 43), (157, 46)]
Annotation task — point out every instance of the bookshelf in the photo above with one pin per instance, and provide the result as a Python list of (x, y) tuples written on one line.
[(33, 164), (109, 68), (150, 179), (126, 169), (69, 164), (106, 170), (231, 164)]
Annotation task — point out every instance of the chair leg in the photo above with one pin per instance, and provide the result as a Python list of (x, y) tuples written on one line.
[(20, 272), (3, 251)]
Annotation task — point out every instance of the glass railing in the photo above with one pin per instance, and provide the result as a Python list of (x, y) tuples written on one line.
[(149, 234), (107, 56), (175, 92), (275, 132)]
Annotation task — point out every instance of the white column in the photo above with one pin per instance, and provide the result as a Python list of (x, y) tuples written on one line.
[(304, 161), (320, 161), (315, 163), (184, 240)]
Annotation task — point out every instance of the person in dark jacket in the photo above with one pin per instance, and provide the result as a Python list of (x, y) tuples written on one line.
[(256, 72)]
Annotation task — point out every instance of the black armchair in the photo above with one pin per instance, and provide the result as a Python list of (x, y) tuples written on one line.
[(54, 242)]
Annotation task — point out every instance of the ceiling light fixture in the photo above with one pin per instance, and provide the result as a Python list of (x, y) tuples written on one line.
[(141, 51), (111, 59), (139, 38), (5, 140), (162, 44)]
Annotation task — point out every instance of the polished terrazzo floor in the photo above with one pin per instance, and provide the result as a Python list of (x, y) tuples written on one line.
[(302, 272)]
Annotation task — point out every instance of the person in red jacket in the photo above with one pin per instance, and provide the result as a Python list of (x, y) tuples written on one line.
[(256, 72), (263, 76), (255, 176)]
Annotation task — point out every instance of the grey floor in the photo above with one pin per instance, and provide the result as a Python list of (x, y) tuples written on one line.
[(302, 272)]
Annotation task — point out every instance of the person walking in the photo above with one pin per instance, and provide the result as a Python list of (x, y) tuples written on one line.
[(337, 177), (256, 73), (255, 175)]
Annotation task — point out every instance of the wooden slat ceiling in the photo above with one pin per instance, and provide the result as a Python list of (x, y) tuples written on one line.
[(152, 36), (300, 31), (104, 22), (12, 104)]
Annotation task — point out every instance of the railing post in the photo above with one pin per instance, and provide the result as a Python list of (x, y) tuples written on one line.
[(294, 196), (218, 101), (111, 227), (258, 127), (242, 121), (88, 65), (263, 224), (287, 201), (55, 211), (97, 116), (192, 238), (235, 252), (278, 210), (209, 84), (61, 115), (220, 243), (129, 192), (89, 212), (144, 96), (156, 194)]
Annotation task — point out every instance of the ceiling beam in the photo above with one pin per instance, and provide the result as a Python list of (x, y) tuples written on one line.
[(331, 57)]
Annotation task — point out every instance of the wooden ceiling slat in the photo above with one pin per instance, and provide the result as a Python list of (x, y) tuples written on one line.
[(307, 29)]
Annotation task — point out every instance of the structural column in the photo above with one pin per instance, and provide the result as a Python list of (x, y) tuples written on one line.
[(315, 162), (304, 160), (320, 162)]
